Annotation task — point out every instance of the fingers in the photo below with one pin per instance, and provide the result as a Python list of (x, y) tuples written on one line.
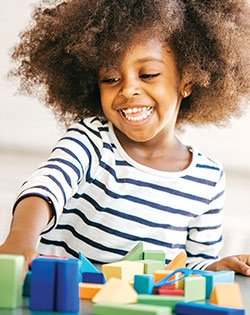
[(239, 264)]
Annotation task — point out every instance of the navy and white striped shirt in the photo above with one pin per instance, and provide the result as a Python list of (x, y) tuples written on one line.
[(105, 202)]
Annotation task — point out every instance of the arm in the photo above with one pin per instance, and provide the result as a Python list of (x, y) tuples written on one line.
[(31, 216)]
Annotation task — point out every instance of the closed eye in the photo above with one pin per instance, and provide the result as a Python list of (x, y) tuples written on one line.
[(149, 76), (110, 81)]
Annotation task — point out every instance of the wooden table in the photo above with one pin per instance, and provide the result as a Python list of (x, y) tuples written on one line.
[(86, 306)]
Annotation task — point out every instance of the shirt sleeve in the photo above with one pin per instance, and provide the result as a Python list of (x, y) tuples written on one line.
[(204, 240), (70, 163)]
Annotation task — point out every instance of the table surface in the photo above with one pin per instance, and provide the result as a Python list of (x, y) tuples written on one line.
[(86, 305)]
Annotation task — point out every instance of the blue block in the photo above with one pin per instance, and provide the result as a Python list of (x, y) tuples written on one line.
[(144, 284), (43, 283), (27, 284), (86, 265), (93, 277), (224, 276), (67, 293), (193, 308)]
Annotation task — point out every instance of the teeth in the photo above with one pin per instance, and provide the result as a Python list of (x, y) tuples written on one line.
[(146, 111)]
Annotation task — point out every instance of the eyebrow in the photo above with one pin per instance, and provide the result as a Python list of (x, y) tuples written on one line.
[(146, 59)]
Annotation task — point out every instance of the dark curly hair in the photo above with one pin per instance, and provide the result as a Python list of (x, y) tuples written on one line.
[(61, 53)]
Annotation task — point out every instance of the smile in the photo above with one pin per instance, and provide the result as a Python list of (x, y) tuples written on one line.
[(137, 113)]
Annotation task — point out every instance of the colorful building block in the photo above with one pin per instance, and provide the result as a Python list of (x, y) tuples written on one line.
[(130, 309), (160, 274), (89, 290), (212, 278), (144, 284), (154, 255), (86, 265), (54, 285), (194, 308), (151, 265), (27, 283), (160, 300), (195, 288), (227, 295), (11, 278), (116, 291), (178, 262), (124, 270), (136, 253), (169, 291), (93, 277)]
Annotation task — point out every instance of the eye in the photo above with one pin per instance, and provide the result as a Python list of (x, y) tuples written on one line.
[(149, 76), (110, 81)]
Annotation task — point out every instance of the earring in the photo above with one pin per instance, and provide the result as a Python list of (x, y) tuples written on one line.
[(185, 93)]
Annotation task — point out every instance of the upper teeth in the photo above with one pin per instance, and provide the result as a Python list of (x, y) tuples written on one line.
[(146, 111)]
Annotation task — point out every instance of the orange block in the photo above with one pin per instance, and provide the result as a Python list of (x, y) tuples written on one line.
[(178, 262), (227, 295), (89, 290), (160, 274)]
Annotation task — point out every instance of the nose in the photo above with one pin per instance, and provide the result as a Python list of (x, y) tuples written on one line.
[(129, 89)]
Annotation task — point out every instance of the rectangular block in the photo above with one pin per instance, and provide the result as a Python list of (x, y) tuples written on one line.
[(195, 288), (154, 255), (27, 283), (144, 284), (161, 274), (160, 300), (151, 265), (89, 290), (193, 308), (93, 277), (124, 270), (170, 291), (11, 278), (130, 309)]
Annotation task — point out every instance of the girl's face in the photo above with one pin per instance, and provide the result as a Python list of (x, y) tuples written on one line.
[(142, 96)]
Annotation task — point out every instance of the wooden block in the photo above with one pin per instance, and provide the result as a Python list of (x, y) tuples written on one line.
[(93, 277), (193, 308), (130, 309), (160, 300), (178, 262), (144, 284), (136, 253), (154, 255), (170, 291), (224, 276), (116, 291), (227, 295), (86, 265), (151, 265), (11, 278), (124, 270), (89, 290), (194, 288)]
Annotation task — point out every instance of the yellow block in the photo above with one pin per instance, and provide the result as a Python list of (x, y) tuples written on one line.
[(89, 290), (227, 295), (178, 262), (124, 270), (116, 291)]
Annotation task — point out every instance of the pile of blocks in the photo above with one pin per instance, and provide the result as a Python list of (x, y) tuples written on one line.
[(139, 284)]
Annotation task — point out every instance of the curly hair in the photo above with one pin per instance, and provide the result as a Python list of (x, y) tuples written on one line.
[(68, 42)]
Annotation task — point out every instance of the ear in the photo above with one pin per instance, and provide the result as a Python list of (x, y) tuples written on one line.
[(186, 89)]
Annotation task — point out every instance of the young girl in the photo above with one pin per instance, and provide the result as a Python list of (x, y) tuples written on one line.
[(128, 73)]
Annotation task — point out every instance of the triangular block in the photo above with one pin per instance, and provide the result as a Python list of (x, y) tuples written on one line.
[(178, 262), (86, 265), (227, 295), (136, 253), (116, 291)]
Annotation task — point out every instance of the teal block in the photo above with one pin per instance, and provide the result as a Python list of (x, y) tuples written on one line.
[(129, 309), (86, 265), (11, 280), (136, 253), (144, 284), (195, 288), (26, 285), (154, 255), (160, 300), (212, 278), (151, 265)]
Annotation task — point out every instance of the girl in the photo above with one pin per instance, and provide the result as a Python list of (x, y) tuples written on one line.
[(128, 74)]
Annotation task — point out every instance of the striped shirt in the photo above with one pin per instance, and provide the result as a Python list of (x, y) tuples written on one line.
[(105, 202)]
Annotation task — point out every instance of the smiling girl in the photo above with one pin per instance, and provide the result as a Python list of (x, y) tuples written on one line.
[(128, 73)]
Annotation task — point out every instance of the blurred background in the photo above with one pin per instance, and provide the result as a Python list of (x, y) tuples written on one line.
[(28, 131)]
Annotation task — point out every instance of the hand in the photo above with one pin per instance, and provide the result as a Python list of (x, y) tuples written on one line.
[(238, 263)]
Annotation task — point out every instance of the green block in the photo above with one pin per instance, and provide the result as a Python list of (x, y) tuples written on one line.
[(11, 280), (135, 253), (195, 288), (151, 265), (154, 255), (129, 309), (160, 300)]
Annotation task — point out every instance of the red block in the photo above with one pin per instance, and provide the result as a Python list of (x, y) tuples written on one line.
[(169, 291)]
